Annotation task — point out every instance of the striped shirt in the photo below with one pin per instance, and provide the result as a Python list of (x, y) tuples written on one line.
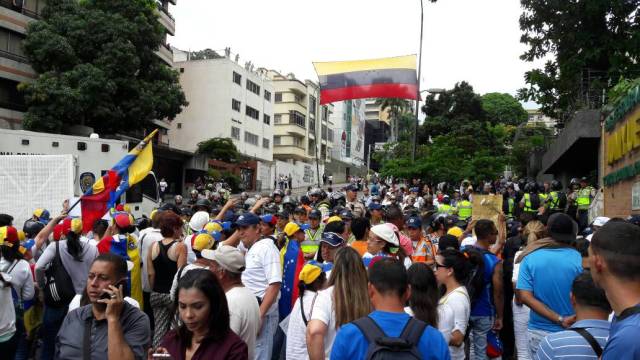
[(569, 345)]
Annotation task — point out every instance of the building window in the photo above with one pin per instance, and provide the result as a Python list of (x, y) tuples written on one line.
[(325, 113), (11, 45), (267, 95), (297, 118), (298, 98), (237, 78), (266, 119), (298, 142), (277, 140), (324, 132), (277, 119), (312, 146), (253, 87), (235, 105), (179, 125), (251, 138), (330, 135), (312, 126), (278, 97), (252, 113), (312, 105), (235, 133), (265, 143)]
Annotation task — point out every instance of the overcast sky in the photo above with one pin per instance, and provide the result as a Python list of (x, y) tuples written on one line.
[(472, 40)]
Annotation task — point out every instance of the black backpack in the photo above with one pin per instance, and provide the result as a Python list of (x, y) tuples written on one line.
[(398, 348), (475, 281), (58, 289)]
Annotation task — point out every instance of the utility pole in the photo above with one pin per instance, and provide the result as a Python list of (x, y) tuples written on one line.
[(415, 125)]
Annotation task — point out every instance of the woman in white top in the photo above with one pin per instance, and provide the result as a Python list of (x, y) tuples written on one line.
[(423, 303), (16, 275), (312, 279), (533, 231), (452, 268), (345, 300)]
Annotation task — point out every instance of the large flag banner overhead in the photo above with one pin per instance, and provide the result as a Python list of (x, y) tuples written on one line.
[(393, 77), (106, 191)]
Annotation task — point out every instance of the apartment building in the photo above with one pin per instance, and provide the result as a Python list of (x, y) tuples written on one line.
[(14, 66), (226, 100)]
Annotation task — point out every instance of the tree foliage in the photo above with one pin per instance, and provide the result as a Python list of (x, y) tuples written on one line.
[(458, 139), (97, 66), (592, 43), (503, 109), (222, 149)]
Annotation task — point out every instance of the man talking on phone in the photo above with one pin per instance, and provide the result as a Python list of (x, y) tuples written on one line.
[(109, 327)]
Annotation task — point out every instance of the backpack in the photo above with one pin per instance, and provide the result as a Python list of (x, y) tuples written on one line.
[(58, 289), (398, 348)]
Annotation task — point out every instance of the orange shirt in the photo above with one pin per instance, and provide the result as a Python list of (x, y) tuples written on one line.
[(360, 246)]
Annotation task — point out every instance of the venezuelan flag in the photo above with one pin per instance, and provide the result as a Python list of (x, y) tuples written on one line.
[(393, 77), (292, 262), (106, 191)]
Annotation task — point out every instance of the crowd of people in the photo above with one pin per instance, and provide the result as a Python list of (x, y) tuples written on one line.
[(374, 270)]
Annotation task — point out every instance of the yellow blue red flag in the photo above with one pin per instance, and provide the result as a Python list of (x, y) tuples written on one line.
[(106, 191)]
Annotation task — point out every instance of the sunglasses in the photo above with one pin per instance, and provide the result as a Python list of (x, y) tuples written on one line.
[(436, 266)]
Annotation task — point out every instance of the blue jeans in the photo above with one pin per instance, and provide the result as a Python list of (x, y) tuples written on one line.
[(51, 323), (480, 327), (264, 341), (535, 337)]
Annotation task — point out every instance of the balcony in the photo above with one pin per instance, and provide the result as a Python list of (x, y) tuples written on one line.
[(290, 129), (8, 4), (166, 54), (165, 18), (15, 67), (286, 152)]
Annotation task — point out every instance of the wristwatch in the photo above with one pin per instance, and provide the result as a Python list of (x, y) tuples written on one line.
[(560, 319)]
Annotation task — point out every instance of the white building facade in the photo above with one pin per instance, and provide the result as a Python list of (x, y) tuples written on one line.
[(226, 100)]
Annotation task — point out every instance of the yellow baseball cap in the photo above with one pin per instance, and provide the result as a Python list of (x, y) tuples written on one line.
[(213, 226), (292, 228), (203, 241), (310, 273), (455, 231), (334, 218)]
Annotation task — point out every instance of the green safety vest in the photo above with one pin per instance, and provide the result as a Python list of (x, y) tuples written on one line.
[(554, 201), (527, 204), (311, 241), (464, 210), (445, 209), (584, 198), (511, 203)]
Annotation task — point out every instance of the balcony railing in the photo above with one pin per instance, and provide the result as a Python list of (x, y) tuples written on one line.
[(9, 5), (13, 106), (166, 11), (15, 57)]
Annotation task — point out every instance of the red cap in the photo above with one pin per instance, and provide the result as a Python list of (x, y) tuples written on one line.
[(123, 220)]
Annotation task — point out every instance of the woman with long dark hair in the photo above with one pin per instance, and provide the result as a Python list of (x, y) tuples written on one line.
[(77, 254), (201, 322), (423, 302), (453, 269), (312, 279)]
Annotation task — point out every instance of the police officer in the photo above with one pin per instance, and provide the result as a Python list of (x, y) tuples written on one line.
[(583, 200), (356, 207), (445, 207), (465, 209), (530, 200), (557, 199)]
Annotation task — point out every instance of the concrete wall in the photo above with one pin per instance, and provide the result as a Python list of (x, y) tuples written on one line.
[(303, 174)]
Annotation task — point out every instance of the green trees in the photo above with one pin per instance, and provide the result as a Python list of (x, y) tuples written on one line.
[(221, 149), (592, 44), (97, 66), (464, 136)]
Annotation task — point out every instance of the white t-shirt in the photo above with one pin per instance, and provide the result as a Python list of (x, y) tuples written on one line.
[(262, 268), (77, 270), (7, 311), (244, 316), (147, 237), (296, 332), (458, 300), (445, 320), (21, 278), (174, 285), (516, 267), (323, 311)]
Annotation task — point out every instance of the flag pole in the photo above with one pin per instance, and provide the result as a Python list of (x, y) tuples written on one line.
[(415, 125)]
